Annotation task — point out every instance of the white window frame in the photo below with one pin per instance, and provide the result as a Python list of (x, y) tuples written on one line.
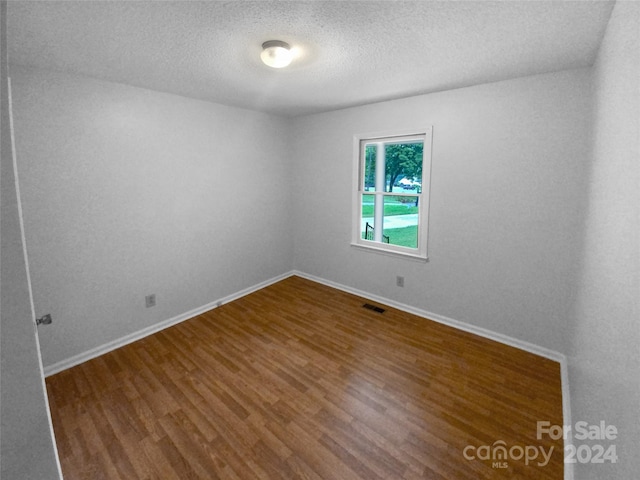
[(420, 253)]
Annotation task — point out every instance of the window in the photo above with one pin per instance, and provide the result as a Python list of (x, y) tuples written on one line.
[(391, 198)]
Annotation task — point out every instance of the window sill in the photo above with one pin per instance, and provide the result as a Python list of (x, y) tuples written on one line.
[(384, 251)]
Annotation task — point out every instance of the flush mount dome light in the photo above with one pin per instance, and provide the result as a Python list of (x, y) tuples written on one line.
[(276, 54)]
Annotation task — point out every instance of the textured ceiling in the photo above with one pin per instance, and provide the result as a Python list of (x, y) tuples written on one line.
[(348, 52)]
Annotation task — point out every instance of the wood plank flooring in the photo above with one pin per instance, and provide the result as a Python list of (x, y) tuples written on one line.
[(298, 381)]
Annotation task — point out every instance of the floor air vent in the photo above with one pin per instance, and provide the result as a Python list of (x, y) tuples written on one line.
[(373, 307)]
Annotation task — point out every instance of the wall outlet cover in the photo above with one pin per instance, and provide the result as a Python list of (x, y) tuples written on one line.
[(150, 300)]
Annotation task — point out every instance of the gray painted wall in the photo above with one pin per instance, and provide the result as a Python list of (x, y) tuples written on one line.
[(129, 192), (26, 444), (604, 334), (507, 194)]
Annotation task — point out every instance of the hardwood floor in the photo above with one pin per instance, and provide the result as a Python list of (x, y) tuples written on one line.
[(298, 381)]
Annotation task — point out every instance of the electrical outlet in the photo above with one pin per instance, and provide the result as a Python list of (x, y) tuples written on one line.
[(150, 300), (400, 281)]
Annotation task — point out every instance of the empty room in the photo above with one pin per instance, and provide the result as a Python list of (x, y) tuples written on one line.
[(326, 240)]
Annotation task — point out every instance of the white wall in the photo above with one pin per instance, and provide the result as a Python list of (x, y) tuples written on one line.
[(26, 442), (129, 192), (507, 193), (604, 336)]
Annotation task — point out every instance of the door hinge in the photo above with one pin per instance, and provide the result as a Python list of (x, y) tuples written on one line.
[(44, 320)]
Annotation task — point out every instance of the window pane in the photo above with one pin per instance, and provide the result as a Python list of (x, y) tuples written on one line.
[(369, 173), (401, 220), (366, 229), (403, 166)]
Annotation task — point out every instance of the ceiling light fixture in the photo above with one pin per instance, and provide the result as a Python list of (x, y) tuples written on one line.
[(276, 54)]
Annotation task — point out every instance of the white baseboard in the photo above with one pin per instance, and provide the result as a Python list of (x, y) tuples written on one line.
[(482, 332), (498, 337), (145, 332), (566, 415)]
